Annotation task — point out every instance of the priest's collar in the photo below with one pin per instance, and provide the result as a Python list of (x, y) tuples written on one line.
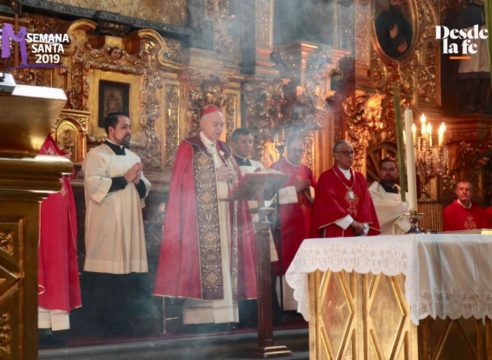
[(242, 161), (206, 141), (347, 173), (390, 188), (466, 207), (118, 149)]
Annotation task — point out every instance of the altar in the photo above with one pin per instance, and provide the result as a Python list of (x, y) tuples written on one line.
[(419, 296)]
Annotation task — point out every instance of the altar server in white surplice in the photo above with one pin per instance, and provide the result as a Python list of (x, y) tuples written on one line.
[(386, 196), (116, 258)]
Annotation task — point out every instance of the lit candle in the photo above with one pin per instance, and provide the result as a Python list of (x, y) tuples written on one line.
[(414, 133), (410, 157), (423, 120), (440, 134), (429, 133)]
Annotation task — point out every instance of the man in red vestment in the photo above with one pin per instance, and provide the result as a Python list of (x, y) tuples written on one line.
[(58, 275), (462, 214), (295, 202), (343, 206), (207, 254)]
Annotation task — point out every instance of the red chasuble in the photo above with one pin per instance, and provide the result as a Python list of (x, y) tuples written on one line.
[(488, 211), (337, 197), (190, 260), (295, 219), (456, 217), (58, 275)]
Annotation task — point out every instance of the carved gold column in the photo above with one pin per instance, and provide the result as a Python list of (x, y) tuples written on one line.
[(24, 182), (264, 15)]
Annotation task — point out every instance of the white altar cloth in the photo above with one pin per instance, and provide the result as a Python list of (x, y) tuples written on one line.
[(447, 275)]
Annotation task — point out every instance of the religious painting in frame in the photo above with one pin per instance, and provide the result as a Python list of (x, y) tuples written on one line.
[(118, 91), (113, 97), (395, 28)]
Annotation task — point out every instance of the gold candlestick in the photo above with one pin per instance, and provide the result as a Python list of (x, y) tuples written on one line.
[(414, 217)]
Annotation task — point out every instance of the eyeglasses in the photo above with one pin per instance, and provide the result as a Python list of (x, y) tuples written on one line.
[(346, 153)]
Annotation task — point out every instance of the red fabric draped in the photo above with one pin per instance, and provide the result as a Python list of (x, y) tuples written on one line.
[(178, 271), (58, 275), (331, 204), (295, 219)]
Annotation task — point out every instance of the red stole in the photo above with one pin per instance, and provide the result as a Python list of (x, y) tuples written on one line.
[(58, 276), (337, 197), (456, 217), (295, 219), (183, 254)]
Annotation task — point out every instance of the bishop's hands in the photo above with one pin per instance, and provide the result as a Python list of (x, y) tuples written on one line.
[(357, 227), (134, 173), (302, 184)]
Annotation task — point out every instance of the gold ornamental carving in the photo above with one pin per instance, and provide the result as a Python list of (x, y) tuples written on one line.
[(224, 21), (309, 146), (174, 135), (418, 73), (363, 26), (7, 242), (264, 101), (5, 333), (165, 11), (232, 110), (264, 23), (364, 125), (204, 89), (70, 133), (142, 59)]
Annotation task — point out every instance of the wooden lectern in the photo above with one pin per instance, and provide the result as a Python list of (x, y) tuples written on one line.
[(27, 116), (258, 186)]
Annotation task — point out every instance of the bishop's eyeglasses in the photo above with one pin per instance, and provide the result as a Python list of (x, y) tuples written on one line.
[(346, 153)]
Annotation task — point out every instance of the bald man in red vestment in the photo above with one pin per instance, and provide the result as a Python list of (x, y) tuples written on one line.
[(295, 202), (343, 206), (462, 214), (207, 254)]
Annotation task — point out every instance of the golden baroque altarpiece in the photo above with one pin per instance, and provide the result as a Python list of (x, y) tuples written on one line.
[(169, 83)]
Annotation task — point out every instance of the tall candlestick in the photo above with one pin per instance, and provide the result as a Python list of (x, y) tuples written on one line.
[(399, 142), (410, 157)]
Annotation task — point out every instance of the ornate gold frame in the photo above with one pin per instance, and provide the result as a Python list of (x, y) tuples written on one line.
[(70, 132), (414, 19), (135, 81)]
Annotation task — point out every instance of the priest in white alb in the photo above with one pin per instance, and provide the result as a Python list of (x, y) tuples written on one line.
[(115, 264), (385, 194)]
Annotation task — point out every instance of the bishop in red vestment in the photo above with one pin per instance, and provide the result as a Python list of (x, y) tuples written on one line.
[(207, 252), (58, 275), (343, 206), (295, 202), (462, 214)]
